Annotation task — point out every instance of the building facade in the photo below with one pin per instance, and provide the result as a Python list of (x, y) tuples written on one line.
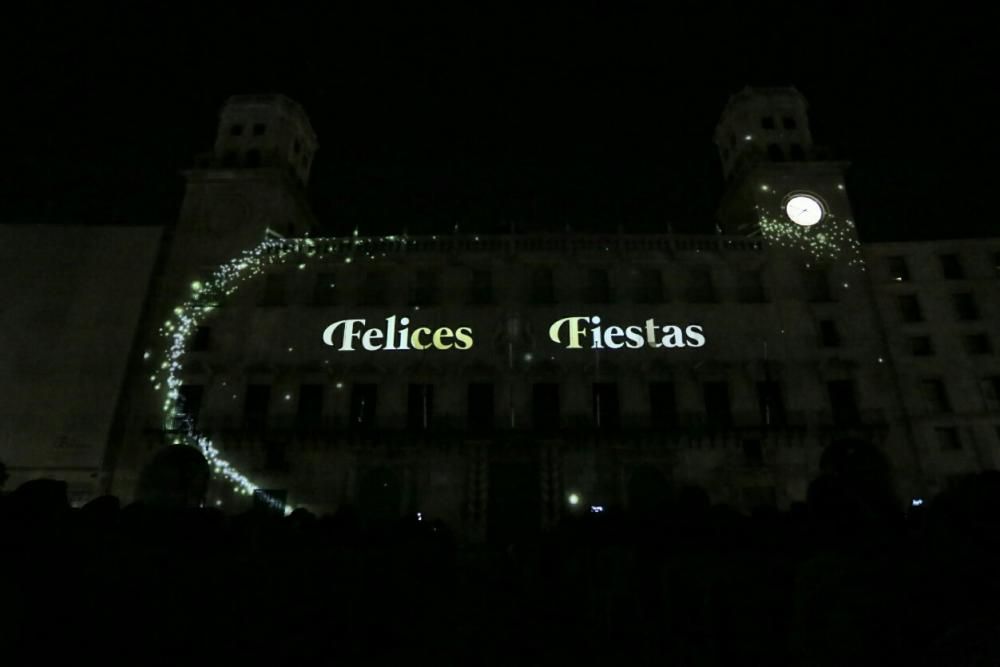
[(75, 296), (539, 373)]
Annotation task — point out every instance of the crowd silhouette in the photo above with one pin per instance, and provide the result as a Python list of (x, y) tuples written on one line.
[(846, 578)]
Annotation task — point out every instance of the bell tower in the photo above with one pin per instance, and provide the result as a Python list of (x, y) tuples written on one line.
[(779, 184), (253, 180)]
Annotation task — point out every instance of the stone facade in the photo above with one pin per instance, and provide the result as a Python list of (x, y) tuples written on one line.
[(805, 346)]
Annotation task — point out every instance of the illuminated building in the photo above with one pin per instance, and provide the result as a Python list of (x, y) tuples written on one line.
[(808, 339)]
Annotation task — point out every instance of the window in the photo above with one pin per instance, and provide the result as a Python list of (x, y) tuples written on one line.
[(796, 153), (606, 411), (419, 407), (947, 437), (663, 405), (753, 453), (235, 130), (274, 290), (898, 269), (700, 288), (190, 402), (363, 400), (202, 339), (325, 290), (991, 392), (788, 123), (480, 412), (767, 122), (545, 406), (372, 292), (771, 403), (255, 406), (817, 285), (481, 288), (717, 409), (751, 288), (965, 306), (542, 291), (935, 396), (649, 286), (310, 408), (259, 129), (977, 344), (921, 346), (951, 267), (425, 288), (843, 403), (774, 153), (828, 334), (598, 286), (253, 158), (230, 158), (909, 308)]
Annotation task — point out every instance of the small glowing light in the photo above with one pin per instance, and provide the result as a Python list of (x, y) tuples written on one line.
[(881, 360), (596, 509), (574, 499), (196, 286), (288, 397), (291, 349), (416, 308), (917, 502), (340, 385), (899, 279), (846, 285), (145, 355), (218, 502), (765, 188), (420, 517), (840, 186), (528, 356), (748, 137)]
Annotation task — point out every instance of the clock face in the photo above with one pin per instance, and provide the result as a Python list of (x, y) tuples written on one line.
[(804, 210)]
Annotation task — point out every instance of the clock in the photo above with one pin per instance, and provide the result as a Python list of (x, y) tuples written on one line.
[(804, 210)]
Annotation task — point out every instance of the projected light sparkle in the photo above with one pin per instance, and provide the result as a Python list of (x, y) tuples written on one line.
[(834, 239), (202, 302)]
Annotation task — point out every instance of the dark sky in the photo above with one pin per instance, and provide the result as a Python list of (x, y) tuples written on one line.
[(585, 115)]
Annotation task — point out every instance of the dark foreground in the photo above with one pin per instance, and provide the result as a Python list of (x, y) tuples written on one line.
[(844, 580)]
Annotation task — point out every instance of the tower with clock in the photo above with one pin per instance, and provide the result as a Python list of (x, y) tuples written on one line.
[(779, 185)]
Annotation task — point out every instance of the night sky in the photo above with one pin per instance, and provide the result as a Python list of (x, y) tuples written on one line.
[(582, 116)]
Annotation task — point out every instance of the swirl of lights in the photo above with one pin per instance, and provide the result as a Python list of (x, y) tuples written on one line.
[(832, 239), (203, 300)]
